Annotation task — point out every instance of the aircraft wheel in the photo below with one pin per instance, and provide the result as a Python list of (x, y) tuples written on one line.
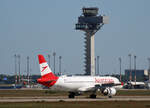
[(110, 96), (93, 96), (71, 95)]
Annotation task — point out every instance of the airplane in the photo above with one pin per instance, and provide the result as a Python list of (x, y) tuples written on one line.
[(76, 85), (135, 85)]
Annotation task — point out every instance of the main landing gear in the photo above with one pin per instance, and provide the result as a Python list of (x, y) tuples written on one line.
[(71, 95), (109, 96), (93, 96)]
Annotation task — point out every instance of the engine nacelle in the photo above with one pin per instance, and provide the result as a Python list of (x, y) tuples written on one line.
[(109, 91)]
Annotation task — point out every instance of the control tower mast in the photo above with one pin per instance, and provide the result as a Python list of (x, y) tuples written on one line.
[(90, 23)]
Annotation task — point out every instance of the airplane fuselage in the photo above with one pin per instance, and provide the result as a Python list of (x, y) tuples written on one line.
[(83, 83)]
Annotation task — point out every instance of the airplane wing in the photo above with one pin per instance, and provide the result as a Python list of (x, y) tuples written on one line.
[(88, 88), (95, 87), (107, 85)]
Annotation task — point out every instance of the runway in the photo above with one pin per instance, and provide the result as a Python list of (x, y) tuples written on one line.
[(79, 99)]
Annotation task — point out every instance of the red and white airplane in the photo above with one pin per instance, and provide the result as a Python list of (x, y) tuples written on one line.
[(76, 85)]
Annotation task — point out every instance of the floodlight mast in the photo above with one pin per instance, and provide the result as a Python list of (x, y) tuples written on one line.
[(90, 23)]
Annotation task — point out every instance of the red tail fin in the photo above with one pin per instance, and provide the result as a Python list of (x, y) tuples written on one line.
[(48, 78)]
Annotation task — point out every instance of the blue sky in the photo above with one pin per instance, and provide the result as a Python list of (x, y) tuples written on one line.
[(31, 27)]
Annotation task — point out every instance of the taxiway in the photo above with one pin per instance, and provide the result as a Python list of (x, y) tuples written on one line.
[(79, 98)]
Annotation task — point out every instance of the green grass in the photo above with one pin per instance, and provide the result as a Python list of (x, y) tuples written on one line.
[(133, 93), (62, 104), (114, 104), (36, 93), (28, 93)]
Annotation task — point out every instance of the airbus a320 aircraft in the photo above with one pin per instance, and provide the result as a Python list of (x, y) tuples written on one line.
[(77, 85)]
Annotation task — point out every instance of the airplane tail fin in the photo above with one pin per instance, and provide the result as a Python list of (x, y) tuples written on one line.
[(47, 77), (44, 68)]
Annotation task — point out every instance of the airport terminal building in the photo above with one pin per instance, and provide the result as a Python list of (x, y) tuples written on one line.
[(141, 75)]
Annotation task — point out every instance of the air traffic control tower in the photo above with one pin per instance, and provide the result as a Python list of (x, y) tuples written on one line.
[(90, 23)]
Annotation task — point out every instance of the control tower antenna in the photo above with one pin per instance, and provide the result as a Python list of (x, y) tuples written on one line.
[(90, 23)]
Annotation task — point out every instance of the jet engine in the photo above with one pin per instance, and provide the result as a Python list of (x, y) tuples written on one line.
[(109, 91)]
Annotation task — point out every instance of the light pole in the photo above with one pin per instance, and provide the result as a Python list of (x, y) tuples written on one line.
[(15, 56), (95, 67), (19, 67), (48, 59), (54, 54), (135, 68), (149, 69), (60, 65), (130, 78), (28, 70), (120, 67), (98, 65)]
